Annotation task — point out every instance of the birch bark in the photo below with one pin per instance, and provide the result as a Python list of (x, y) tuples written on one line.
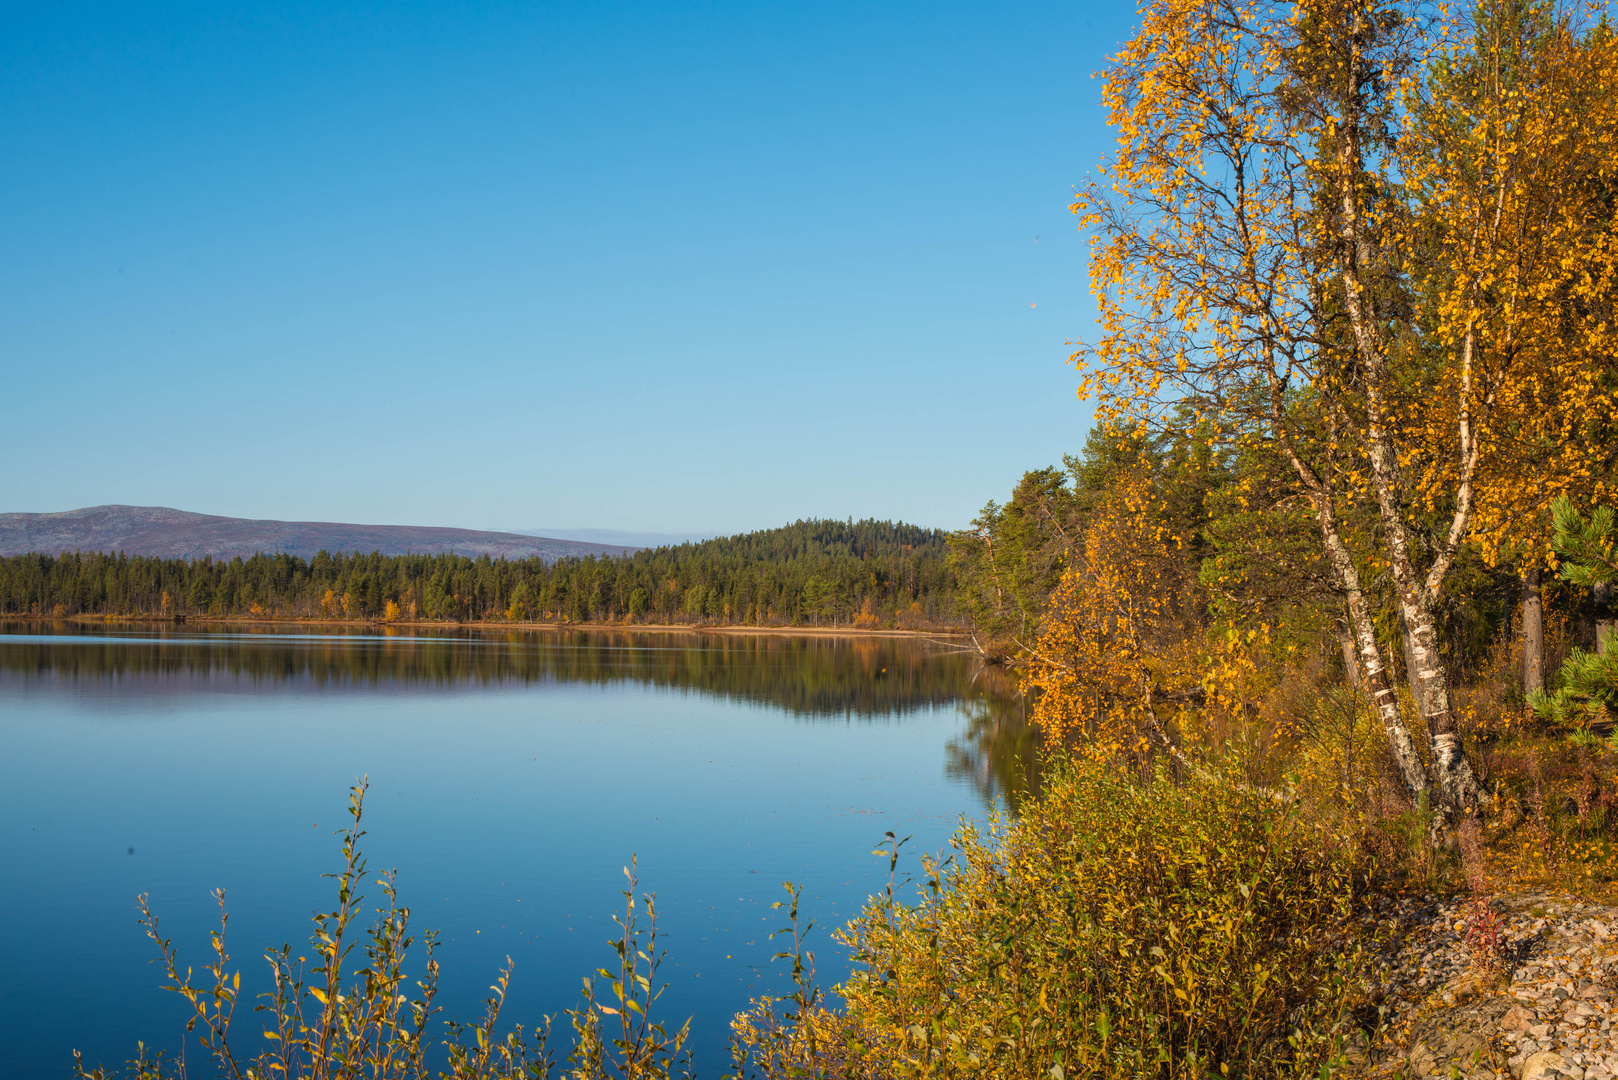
[(1351, 658), (1429, 681), (1370, 672), (1372, 668)]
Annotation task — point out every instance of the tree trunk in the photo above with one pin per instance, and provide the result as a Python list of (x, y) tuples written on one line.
[(1605, 625), (1533, 631), (1405, 639), (1369, 672), (1429, 680), (1457, 784), (1351, 662), (1372, 669)]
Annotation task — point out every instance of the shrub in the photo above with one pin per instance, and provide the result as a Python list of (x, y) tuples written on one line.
[(338, 1019), (1587, 692), (1117, 929)]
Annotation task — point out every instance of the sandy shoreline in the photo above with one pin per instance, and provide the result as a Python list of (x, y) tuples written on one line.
[(739, 629)]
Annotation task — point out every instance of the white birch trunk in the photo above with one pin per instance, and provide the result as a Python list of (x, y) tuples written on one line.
[(1456, 782), (1351, 660), (1373, 671)]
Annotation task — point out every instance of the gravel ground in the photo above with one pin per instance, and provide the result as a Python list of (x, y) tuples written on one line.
[(1547, 1010)]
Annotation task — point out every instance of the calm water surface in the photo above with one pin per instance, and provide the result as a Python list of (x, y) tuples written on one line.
[(512, 777)]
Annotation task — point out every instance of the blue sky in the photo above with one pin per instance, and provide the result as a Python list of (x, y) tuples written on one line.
[(662, 267)]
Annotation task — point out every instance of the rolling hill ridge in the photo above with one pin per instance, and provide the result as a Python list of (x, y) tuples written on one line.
[(179, 534)]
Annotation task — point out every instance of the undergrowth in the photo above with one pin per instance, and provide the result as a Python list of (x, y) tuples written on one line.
[(1116, 929)]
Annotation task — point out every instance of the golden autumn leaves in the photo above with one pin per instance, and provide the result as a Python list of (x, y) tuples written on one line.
[(1375, 243)]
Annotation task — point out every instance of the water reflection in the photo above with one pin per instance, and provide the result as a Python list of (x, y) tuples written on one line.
[(515, 773), (810, 677), (999, 752)]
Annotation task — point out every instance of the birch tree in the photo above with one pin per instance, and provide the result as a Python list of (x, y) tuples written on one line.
[(1206, 253), (1317, 226)]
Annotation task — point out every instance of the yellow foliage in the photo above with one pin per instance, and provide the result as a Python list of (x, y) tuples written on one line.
[(1511, 146), (1120, 928), (1423, 323)]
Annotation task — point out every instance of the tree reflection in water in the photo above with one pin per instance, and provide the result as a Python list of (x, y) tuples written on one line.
[(814, 678), (999, 752)]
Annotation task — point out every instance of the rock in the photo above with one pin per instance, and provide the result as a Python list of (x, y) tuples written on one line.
[(1554, 1016), (1422, 1060), (1549, 1065)]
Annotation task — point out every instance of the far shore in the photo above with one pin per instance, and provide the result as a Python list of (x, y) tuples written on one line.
[(423, 624)]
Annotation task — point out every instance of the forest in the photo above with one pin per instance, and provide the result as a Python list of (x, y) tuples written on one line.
[(812, 573)]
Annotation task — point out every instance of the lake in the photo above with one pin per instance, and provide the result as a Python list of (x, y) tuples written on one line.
[(513, 776)]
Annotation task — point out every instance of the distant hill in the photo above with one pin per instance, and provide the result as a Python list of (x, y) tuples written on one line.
[(621, 536), (860, 574), (177, 534)]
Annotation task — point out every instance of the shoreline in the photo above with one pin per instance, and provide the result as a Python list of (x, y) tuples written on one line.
[(736, 629), (1545, 1012)]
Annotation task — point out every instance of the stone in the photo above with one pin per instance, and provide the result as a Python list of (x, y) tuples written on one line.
[(1549, 1065)]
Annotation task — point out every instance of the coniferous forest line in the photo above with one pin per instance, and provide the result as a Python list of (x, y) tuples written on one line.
[(810, 573)]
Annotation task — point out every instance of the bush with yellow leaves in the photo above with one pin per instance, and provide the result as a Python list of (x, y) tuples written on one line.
[(1117, 928)]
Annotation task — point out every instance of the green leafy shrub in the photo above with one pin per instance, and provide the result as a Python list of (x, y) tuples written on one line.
[(1587, 690), (1587, 685)]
